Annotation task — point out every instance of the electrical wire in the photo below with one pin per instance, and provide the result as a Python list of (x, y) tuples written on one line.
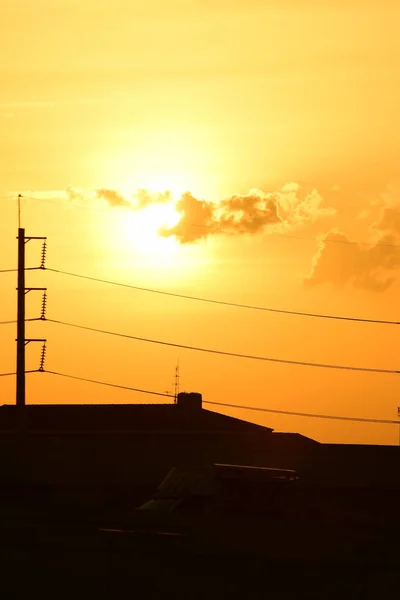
[(8, 374), (327, 241), (225, 303), (237, 406), (26, 269), (302, 237), (301, 414), (114, 385), (57, 202), (225, 353), (26, 321)]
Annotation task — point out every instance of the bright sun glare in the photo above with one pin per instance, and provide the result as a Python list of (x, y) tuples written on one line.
[(137, 230)]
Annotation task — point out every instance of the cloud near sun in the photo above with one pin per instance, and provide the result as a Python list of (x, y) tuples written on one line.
[(250, 213), (369, 266), (338, 260), (245, 214)]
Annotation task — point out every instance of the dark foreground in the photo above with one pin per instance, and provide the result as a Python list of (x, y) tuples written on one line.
[(147, 556)]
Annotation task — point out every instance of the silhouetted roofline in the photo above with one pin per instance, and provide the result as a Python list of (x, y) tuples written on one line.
[(298, 437), (123, 417)]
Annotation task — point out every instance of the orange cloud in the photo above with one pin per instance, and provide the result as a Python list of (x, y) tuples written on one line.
[(144, 198), (196, 221), (113, 197), (239, 214), (389, 220), (340, 261), (250, 213)]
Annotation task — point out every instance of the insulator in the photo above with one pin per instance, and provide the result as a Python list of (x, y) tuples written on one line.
[(44, 306), (44, 250), (43, 357)]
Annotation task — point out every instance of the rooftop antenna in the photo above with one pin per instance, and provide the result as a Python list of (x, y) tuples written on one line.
[(177, 376)]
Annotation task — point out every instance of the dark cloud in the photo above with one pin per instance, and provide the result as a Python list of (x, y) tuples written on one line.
[(195, 223), (250, 213), (113, 197), (341, 261)]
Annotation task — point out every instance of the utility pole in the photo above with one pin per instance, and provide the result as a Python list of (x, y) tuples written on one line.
[(398, 414), (22, 341), (21, 320)]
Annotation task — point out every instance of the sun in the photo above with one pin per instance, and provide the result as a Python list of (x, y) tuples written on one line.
[(147, 222), (136, 232)]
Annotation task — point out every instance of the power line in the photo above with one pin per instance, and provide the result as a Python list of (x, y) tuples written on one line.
[(58, 202), (114, 385), (226, 303), (309, 415), (327, 241), (241, 407), (13, 322), (303, 237), (9, 374), (15, 270), (225, 353)]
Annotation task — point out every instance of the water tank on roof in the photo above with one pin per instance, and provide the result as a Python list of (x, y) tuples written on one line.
[(190, 400)]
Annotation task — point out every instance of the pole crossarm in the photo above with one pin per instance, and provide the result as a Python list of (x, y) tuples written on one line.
[(34, 289), (28, 239), (28, 341)]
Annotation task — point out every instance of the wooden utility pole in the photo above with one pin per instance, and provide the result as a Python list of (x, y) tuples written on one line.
[(21, 320), (22, 341)]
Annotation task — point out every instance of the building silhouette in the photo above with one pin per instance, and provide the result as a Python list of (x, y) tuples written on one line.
[(87, 454)]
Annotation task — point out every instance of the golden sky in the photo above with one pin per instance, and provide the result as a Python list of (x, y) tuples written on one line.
[(273, 126)]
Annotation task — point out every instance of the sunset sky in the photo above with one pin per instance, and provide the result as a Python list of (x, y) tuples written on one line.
[(210, 148)]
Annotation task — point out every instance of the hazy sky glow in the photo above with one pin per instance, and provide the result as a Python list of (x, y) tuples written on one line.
[(239, 150)]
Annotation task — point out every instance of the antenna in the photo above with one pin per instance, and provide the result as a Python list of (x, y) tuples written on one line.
[(19, 210), (177, 376)]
